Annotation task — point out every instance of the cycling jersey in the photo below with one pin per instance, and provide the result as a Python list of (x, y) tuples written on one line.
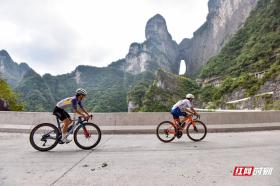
[(185, 103), (68, 102), (177, 109)]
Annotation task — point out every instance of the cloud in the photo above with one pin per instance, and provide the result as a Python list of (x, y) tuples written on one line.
[(55, 36)]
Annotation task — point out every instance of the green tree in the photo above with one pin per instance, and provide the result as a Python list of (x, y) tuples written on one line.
[(7, 94)]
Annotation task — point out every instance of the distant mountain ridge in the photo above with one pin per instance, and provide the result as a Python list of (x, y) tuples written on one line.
[(120, 86), (13, 72), (108, 86)]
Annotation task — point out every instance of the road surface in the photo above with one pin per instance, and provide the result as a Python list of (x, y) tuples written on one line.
[(143, 160)]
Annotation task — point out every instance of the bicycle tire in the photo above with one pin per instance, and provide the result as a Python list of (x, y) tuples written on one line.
[(158, 135), (76, 134), (31, 137), (188, 130)]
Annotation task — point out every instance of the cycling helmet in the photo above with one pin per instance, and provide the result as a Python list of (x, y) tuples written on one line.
[(81, 91), (190, 96)]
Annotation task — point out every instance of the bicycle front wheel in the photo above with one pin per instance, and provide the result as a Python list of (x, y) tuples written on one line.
[(196, 132), (44, 137), (87, 136), (166, 131)]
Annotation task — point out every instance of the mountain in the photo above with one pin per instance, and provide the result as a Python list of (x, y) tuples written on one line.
[(146, 79), (108, 87), (248, 66), (165, 90), (244, 74), (157, 51), (12, 71), (35, 92), (225, 17)]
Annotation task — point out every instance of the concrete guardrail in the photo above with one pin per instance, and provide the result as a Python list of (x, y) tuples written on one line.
[(143, 118)]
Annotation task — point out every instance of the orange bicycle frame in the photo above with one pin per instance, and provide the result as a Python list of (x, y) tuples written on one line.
[(188, 119)]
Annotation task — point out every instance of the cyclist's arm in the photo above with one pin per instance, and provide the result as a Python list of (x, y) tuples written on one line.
[(84, 110), (192, 111), (195, 113), (75, 110), (75, 104)]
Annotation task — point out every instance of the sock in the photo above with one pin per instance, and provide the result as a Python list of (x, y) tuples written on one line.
[(63, 136)]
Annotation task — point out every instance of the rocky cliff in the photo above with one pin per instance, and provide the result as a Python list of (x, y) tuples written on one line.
[(12, 71), (225, 17), (4, 105), (157, 51), (249, 64)]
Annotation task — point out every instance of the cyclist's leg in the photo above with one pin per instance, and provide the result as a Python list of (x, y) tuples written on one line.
[(185, 117), (176, 116), (66, 121), (65, 118), (175, 113), (176, 120)]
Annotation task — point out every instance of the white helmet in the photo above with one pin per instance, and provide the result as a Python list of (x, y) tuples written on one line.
[(190, 96), (81, 91)]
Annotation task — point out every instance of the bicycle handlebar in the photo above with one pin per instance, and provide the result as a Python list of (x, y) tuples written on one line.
[(90, 117), (195, 116)]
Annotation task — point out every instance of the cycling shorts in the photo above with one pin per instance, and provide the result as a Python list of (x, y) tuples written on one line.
[(61, 113), (177, 112)]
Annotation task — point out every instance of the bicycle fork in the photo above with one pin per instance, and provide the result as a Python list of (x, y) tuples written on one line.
[(86, 133)]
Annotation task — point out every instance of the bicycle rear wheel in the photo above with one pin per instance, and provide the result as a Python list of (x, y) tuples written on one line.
[(87, 136), (166, 131), (198, 132), (44, 137)]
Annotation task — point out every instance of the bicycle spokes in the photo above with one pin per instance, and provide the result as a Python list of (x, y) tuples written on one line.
[(169, 131), (87, 136), (49, 135), (44, 136), (166, 131), (196, 130)]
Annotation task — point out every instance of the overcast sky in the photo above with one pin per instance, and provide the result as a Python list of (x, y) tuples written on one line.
[(55, 36)]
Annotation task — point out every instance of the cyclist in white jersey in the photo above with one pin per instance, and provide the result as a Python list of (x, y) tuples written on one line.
[(181, 108), (73, 103)]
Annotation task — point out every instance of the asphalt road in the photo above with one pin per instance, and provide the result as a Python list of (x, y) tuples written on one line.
[(143, 160)]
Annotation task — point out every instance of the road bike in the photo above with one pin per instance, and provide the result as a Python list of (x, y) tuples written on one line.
[(196, 130), (46, 136)]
